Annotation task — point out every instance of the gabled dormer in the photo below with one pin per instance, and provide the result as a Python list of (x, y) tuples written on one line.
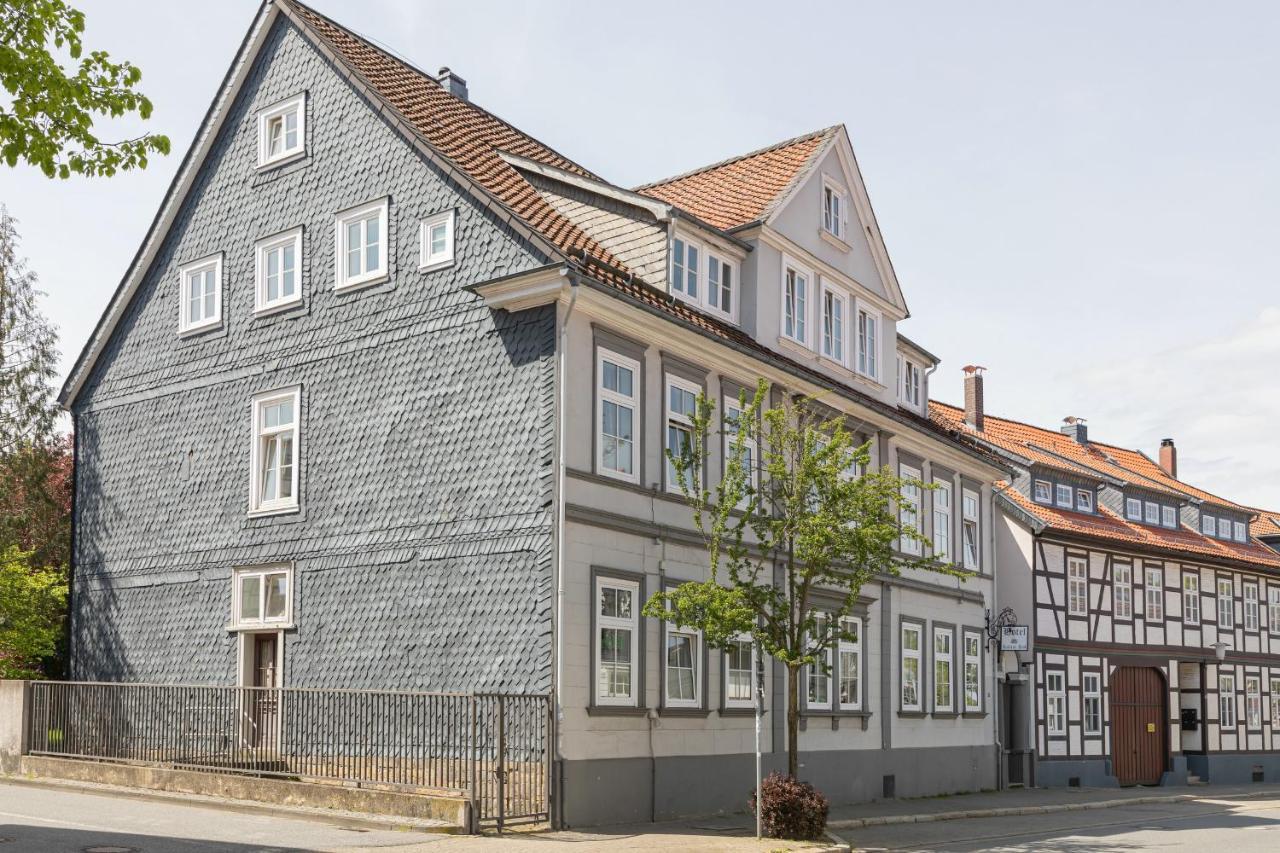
[(914, 364)]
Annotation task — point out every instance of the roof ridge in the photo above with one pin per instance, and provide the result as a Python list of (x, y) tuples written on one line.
[(804, 137)]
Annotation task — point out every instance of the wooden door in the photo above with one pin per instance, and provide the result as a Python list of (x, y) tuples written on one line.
[(1139, 725)]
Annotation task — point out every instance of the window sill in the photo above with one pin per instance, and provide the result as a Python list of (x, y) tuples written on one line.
[(823, 714), (202, 329), (912, 715), (944, 715), (684, 712), (277, 308), (282, 160), (797, 346), (269, 511), (740, 712), (838, 242), (974, 715), (616, 711), (621, 478), (361, 283), (260, 627), (436, 265)]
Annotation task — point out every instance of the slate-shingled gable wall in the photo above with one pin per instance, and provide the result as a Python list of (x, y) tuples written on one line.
[(423, 545)]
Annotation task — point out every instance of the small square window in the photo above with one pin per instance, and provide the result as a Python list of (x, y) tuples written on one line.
[(1084, 500), (361, 246), (278, 274), (262, 595), (274, 453), (1064, 495), (200, 295), (1043, 492), (437, 241), (282, 131)]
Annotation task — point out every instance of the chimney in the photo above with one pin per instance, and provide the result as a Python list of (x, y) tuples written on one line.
[(452, 83), (1169, 457), (973, 408), (1075, 427)]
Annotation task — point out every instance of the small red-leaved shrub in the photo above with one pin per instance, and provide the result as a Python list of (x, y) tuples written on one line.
[(792, 809)]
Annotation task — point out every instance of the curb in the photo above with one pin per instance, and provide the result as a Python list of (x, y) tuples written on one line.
[(1013, 811)]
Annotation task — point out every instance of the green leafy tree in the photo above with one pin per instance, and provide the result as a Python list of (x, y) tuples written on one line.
[(32, 608), (28, 350), (35, 501), (48, 120), (818, 520)]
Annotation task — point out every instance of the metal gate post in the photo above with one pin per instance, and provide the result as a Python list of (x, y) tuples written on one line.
[(474, 829), (502, 765)]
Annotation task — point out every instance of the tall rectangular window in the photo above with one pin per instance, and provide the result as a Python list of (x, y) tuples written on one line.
[(969, 528), (834, 213), (795, 307), (1168, 516), (909, 511), (1092, 704), (1155, 595), (868, 343), (739, 674), (1239, 531), (943, 673), (1227, 700), (282, 131), (361, 245), (1275, 704), (617, 633), (1122, 591), (1133, 509), (1055, 700), (617, 413), (1226, 603), (818, 675), (682, 405), (1253, 701), (684, 268), (1224, 528), (278, 276), (1250, 607), (683, 686), (1043, 492), (911, 383), (942, 519), (733, 415), (1152, 515), (720, 284), (1077, 586), (201, 295), (435, 238), (849, 665), (1207, 524), (1190, 597), (1273, 613), (910, 667), (273, 453), (1063, 495), (972, 672), (833, 320)]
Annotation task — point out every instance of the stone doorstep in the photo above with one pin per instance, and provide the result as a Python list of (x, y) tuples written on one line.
[(333, 803)]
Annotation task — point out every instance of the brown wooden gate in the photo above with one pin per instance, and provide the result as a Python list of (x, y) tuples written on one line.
[(1139, 727)]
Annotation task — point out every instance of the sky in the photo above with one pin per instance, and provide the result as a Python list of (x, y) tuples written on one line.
[(1083, 197)]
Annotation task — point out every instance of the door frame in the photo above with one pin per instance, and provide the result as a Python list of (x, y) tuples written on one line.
[(246, 663)]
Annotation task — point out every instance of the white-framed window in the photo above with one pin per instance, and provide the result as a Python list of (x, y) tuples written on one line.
[(435, 241), (1169, 516), (910, 667), (1084, 500), (1043, 493), (1226, 603), (1253, 701), (835, 308), (969, 529), (1152, 512), (835, 209), (1275, 704), (795, 303), (278, 271), (1250, 607), (274, 454), (1239, 531), (683, 686), (739, 674), (1227, 700), (1077, 586), (360, 245), (818, 676), (909, 514), (617, 604), (1190, 597), (868, 343), (200, 285), (1224, 528), (1092, 703), (849, 665), (1133, 509), (1273, 614), (942, 519), (704, 276), (1207, 524), (943, 658), (1154, 610), (682, 405), (733, 415), (617, 413), (722, 279), (262, 596), (282, 131), (911, 382), (1063, 495), (1122, 590), (1055, 700), (972, 672), (684, 268)]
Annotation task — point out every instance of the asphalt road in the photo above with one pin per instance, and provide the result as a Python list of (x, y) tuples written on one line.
[(1219, 825)]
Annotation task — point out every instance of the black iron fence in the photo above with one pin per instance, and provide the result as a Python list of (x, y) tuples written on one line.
[(491, 748)]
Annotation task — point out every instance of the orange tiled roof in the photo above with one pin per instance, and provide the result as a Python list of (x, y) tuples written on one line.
[(741, 189), (1266, 524)]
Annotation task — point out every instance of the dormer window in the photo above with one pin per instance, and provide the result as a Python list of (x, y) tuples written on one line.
[(703, 276), (1084, 500), (1207, 524), (868, 343), (1133, 509), (835, 209), (1169, 516), (1240, 531), (1152, 513), (910, 383), (1063, 492), (282, 131), (1224, 528), (1043, 493)]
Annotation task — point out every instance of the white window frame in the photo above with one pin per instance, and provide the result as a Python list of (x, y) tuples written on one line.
[(845, 648), (1226, 603), (749, 702), (716, 257), (1122, 580), (1253, 701), (1063, 496), (1084, 500), (1227, 716), (1077, 586), (1133, 509), (910, 655), (677, 420), (826, 343), (972, 659), (202, 265), (1250, 607), (799, 308), (618, 623), (707, 256), (814, 675), (1240, 532), (279, 110), (971, 529), (912, 514), (1151, 513), (694, 636), (623, 401), (1169, 517), (1153, 600), (258, 503), (1055, 700), (1191, 597), (291, 238), (835, 223), (944, 657), (1224, 528), (239, 622), (1042, 492), (866, 360), (429, 260), (1091, 717), (943, 504), (344, 282), (1273, 613), (909, 388), (1208, 525), (733, 412), (1275, 704)]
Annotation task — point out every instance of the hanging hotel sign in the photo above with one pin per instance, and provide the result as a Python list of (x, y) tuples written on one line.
[(1013, 638)]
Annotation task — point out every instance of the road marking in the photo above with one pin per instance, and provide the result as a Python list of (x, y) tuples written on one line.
[(20, 816)]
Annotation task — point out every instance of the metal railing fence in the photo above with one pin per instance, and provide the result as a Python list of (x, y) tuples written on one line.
[(492, 748)]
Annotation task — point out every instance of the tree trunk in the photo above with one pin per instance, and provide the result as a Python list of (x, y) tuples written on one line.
[(793, 720)]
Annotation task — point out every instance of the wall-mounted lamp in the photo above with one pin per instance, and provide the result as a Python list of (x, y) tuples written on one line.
[(1220, 649)]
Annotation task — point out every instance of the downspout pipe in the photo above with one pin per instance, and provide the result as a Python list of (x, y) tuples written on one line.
[(558, 569)]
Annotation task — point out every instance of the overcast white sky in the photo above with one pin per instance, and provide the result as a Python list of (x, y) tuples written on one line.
[(1083, 197)]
